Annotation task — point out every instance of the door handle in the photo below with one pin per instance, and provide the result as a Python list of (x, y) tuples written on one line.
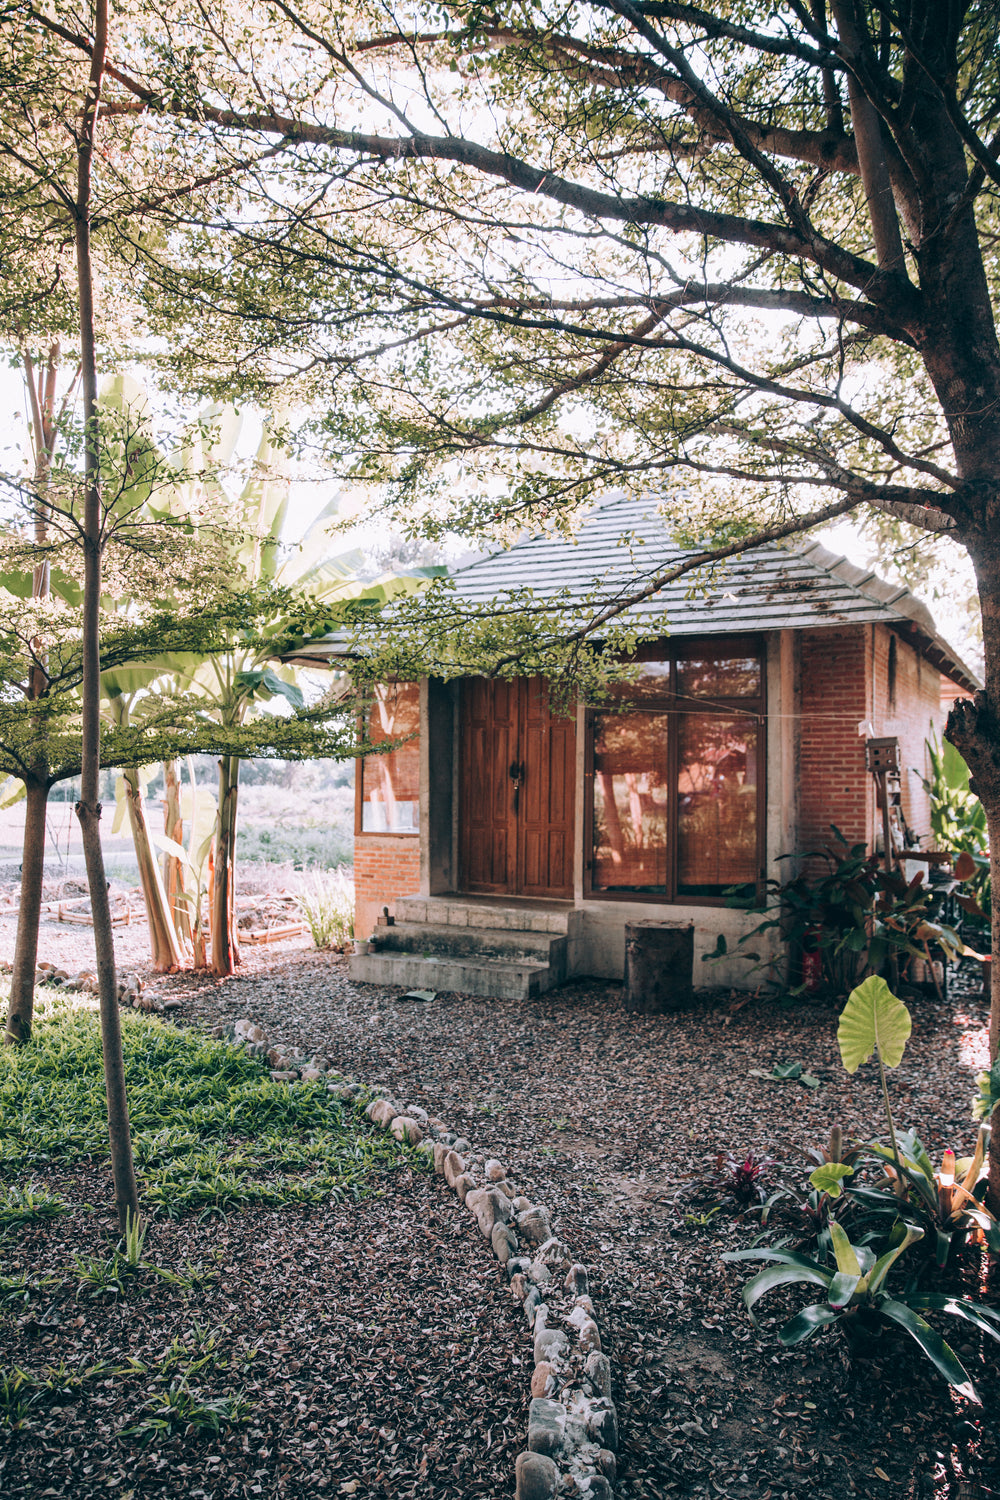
[(516, 772)]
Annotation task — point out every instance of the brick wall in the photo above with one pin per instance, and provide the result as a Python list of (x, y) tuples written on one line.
[(906, 702), (833, 784), (385, 866), (862, 674)]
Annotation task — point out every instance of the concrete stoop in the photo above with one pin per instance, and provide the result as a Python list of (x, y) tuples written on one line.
[(511, 952)]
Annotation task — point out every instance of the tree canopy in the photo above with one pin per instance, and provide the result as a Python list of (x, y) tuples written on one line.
[(744, 256)]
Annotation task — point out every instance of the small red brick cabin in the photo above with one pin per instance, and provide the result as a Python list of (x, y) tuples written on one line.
[(744, 740)]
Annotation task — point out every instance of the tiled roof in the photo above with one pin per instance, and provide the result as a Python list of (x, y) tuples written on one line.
[(773, 587)]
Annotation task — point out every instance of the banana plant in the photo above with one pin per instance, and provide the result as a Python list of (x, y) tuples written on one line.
[(119, 693), (857, 1299), (196, 810), (245, 680)]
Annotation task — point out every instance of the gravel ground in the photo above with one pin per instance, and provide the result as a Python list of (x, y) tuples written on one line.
[(614, 1121)]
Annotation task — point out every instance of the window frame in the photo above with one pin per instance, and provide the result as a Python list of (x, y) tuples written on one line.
[(673, 706), (359, 777)]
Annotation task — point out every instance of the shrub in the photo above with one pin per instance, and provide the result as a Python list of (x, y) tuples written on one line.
[(327, 905)]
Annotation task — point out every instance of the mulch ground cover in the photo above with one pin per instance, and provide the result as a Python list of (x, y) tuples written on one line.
[(370, 1341), (615, 1122)]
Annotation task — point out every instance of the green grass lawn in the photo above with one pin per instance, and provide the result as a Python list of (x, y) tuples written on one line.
[(210, 1131)]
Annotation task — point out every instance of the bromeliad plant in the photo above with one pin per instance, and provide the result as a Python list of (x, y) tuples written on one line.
[(913, 1194), (744, 1176), (943, 1204), (858, 1300), (912, 1205)]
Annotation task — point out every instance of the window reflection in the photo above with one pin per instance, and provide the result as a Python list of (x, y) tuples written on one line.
[(718, 676), (677, 772), (390, 783), (716, 803), (630, 802)]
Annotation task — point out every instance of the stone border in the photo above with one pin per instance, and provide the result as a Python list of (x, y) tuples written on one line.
[(572, 1421)]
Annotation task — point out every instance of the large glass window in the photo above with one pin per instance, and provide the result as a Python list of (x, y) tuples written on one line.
[(677, 793), (390, 782), (631, 795)]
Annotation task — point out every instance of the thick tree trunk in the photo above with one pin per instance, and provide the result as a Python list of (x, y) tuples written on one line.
[(974, 731), (88, 809), (225, 946), (22, 979), (164, 946)]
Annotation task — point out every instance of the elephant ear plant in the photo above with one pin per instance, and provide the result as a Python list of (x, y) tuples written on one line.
[(853, 1277)]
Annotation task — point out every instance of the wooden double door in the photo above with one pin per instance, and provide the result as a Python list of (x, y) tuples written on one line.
[(517, 773)]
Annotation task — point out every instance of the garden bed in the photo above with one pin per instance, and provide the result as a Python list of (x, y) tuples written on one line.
[(616, 1121)]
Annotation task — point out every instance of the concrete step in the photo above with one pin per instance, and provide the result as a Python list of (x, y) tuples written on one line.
[(489, 977), (459, 911), (433, 939)]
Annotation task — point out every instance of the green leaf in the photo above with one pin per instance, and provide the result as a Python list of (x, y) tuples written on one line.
[(263, 682), (11, 791), (829, 1178), (941, 1355), (885, 1262), (844, 1252), (719, 951), (775, 1276), (807, 1322), (782, 1257), (983, 1318), (873, 1020), (842, 1288)]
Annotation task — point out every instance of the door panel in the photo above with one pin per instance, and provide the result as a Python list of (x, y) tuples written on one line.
[(488, 740), (515, 841)]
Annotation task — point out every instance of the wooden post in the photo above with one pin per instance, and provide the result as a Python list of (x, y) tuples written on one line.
[(659, 967)]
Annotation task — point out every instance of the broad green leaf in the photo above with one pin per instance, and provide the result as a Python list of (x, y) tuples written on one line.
[(121, 806), (842, 1288), (941, 1355), (807, 1322), (986, 1319), (782, 1257), (774, 1276), (885, 1262), (829, 1178), (11, 791), (873, 1020), (169, 846), (844, 1252)]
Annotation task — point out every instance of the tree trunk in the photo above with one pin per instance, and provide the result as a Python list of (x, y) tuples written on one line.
[(88, 809), (22, 979), (44, 429), (164, 946), (974, 732), (174, 880), (225, 946)]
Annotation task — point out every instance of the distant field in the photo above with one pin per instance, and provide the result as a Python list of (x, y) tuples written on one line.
[(302, 827)]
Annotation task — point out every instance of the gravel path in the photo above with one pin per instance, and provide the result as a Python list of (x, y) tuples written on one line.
[(614, 1121)]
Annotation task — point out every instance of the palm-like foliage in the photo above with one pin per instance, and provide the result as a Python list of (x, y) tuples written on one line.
[(240, 679)]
